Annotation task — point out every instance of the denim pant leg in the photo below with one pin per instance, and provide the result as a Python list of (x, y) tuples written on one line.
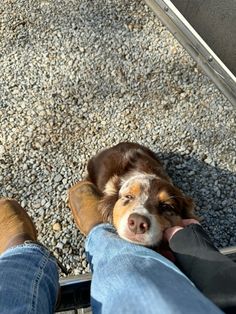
[(28, 280), (132, 279)]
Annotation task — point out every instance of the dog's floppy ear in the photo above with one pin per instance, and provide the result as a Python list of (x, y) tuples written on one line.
[(188, 208), (106, 206), (110, 197)]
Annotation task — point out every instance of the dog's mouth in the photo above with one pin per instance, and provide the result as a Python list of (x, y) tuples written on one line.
[(140, 229), (140, 239)]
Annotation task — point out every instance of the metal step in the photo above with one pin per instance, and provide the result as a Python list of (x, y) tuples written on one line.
[(75, 294)]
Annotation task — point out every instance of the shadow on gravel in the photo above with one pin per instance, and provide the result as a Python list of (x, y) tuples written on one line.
[(213, 190)]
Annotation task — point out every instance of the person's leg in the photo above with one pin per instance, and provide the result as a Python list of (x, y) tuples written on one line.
[(128, 278), (28, 280), (28, 272)]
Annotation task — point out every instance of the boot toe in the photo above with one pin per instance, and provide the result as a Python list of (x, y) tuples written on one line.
[(83, 201)]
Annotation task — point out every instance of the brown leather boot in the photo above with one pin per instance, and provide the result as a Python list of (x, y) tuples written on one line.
[(83, 202), (15, 225)]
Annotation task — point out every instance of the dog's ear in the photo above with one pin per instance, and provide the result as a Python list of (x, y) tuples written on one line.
[(110, 197), (188, 208), (106, 206)]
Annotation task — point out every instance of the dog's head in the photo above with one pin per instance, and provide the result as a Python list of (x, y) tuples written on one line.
[(142, 206)]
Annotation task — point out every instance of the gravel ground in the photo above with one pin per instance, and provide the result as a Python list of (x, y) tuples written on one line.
[(79, 76)]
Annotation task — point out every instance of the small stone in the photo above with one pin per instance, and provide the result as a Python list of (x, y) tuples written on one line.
[(48, 204), (2, 150), (24, 167), (84, 263), (65, 250), (81, 250), (76, 272), (64, 181), (59, 245), (23, 203), (43, 202), (41, 212), (64, 241), (56, 227), (58, 178), (56, 254), (37, 205)]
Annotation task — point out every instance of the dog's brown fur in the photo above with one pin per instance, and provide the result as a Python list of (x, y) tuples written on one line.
[(133, 180)]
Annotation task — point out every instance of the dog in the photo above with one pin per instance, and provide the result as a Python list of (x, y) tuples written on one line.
[(138, 197)]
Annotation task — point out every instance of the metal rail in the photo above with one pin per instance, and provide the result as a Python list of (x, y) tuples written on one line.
[(205, 57), (75, 293), (230, 252)]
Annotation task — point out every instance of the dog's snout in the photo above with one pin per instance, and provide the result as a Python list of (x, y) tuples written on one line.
[(138, 223)]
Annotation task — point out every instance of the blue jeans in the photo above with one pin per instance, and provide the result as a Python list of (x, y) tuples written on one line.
[(127, 278), (28, 280)]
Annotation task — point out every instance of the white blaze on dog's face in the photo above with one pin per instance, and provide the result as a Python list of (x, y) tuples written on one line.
[(146, 206)]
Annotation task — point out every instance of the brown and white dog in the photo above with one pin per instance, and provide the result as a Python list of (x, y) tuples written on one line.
[(139, 198)]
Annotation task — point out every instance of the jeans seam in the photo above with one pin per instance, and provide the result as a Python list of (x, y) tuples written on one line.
[(31, 245), (37, 279)]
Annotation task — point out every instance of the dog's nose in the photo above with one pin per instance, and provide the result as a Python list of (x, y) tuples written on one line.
[(138, 223)]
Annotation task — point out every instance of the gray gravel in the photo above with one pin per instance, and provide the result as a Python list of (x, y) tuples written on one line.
[(78, 76)]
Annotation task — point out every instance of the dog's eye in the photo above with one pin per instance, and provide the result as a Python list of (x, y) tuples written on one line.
[(167, 209), (129, 197)]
